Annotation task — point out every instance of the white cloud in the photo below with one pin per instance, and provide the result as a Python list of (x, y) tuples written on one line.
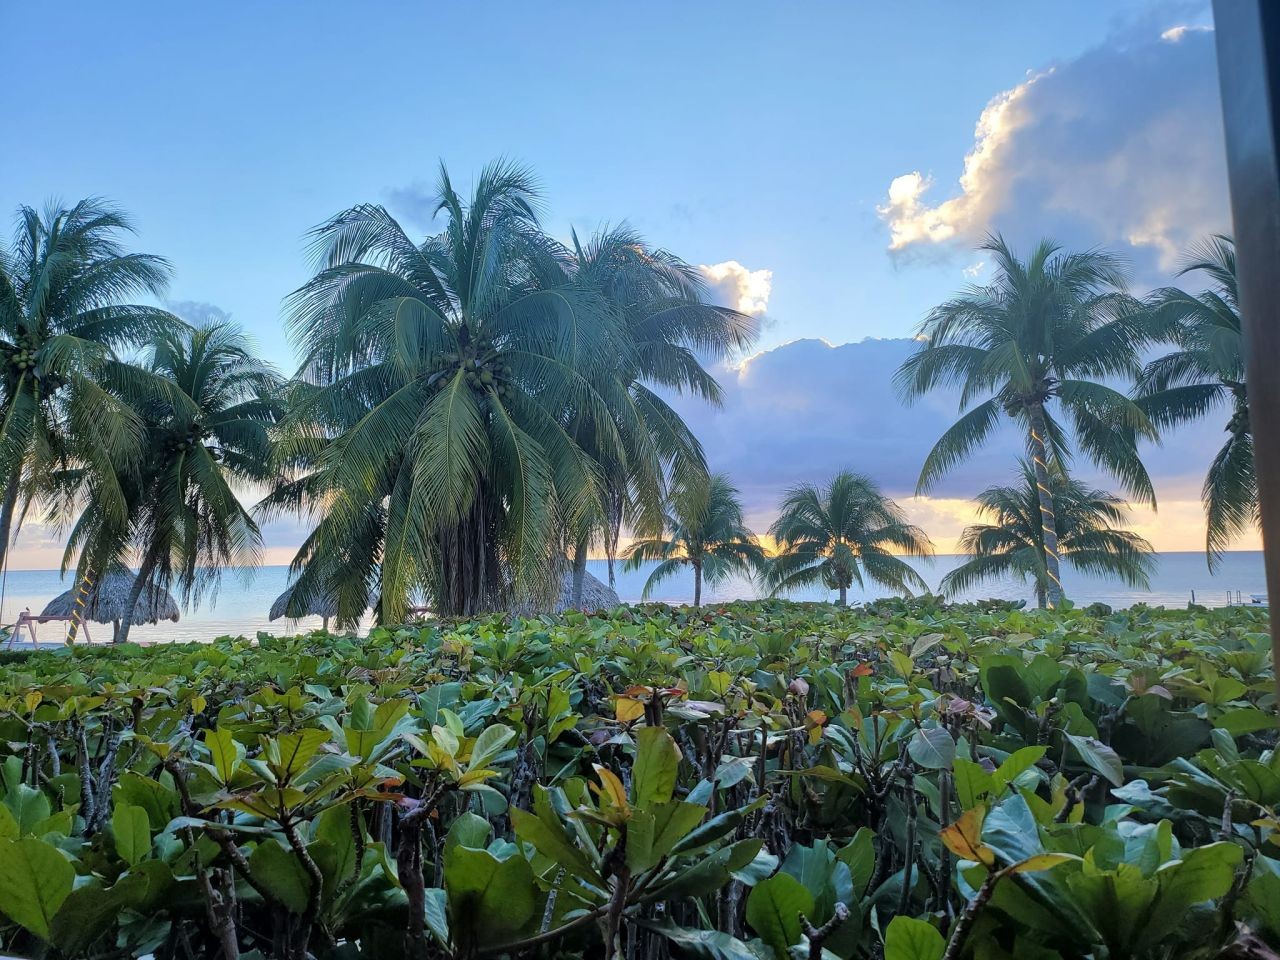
[(739, 287), (1120, 147), (1174, 34)]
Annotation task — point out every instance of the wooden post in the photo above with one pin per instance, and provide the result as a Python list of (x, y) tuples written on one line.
[(77, 609), (1248, 42)]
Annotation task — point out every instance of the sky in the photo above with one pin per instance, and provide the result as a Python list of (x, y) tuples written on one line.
[(831, 166)]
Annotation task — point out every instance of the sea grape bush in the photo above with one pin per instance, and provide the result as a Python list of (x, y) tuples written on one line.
[(906, 781)]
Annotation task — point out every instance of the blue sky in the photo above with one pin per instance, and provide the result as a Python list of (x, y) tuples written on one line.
[(765, 133), (762, 137)]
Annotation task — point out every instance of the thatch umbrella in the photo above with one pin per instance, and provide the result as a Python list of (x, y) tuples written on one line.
[(323, 607), (109, 603), (596, 595)]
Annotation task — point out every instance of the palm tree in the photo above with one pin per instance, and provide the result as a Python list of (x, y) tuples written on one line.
[(840, 534), (204, 437), (705, 530), (1032, 343), (64, 284), (447, 384), (1087, 533), (1205, 372), (661, 302)]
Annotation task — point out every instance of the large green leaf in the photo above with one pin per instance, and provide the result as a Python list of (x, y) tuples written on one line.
[(774, 907), (225, 752), (932, 748), (29, 807), (910, 939), (35, 879), (282, 873), (91, 911), (653, 778), (654, 831), (490, 900), (706, 944), (132, 831), (546, 833), (1100, 757)]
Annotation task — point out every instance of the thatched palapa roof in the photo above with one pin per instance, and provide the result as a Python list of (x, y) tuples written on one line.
[(110, 600), (595, 594), (326, 607)]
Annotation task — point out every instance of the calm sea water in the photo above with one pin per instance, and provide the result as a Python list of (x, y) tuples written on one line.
[(243, 602)]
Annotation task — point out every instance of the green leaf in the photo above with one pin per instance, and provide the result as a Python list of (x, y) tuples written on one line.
[(282, 873), (35, 879), (437, 915), (160, 802), (773, 910), (1244, 720), (653, 832), (289, 753), (29, 807), (9, 826), (334, 847), (132, 831), (468, 830), (90, 911), (972, 782), (860, 857), (224, 752), (705, 944), (1016, 764), (932, 748), (490, 900), (1100, 757), (910, 939), (1204, 873), (653, 777), (546, 834), (488, 745)]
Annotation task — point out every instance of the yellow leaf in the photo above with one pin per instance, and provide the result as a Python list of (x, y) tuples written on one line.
[(626, 709), (964, 837), (33, 700), (197, 704), (612, 790)]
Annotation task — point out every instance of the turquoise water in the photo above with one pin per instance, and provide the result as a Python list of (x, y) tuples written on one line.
[(243, 601)]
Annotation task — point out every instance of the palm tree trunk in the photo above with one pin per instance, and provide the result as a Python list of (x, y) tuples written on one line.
[(579, 573), (115, 631), (7, 510), (697, 583), (135, 593), (844, 595), (1048, 522)]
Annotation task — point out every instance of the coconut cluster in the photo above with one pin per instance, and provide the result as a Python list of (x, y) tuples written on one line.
[(487, 373)]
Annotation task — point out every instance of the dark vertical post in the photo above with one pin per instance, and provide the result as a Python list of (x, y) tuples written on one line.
[(1248, 42)]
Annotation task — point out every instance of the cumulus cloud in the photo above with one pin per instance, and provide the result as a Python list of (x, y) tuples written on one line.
[(739, 287), (1120, 147), (802, 411), (197, 311)]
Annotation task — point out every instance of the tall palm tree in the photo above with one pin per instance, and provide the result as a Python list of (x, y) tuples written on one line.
[(1204, 373), (446, 384), (705, 531), (1033, 343), (65, 281), (205, 437), (1088, 535), (661, 303), (841, 534)]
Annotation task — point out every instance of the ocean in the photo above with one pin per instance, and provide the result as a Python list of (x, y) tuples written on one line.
[(242, 603)]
